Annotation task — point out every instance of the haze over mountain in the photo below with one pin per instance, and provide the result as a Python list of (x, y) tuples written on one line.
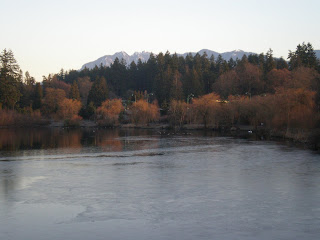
[(107, 60)]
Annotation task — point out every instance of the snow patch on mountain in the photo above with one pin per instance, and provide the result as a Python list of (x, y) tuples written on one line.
[(107, 60)]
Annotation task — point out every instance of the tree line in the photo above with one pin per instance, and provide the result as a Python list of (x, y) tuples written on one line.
[(192, 89)]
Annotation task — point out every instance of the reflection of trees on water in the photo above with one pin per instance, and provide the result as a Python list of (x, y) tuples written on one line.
[(67, 139), (54, 138), (23, 139), (108, 140)]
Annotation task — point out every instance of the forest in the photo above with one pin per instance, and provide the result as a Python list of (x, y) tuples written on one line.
[(282, 95)]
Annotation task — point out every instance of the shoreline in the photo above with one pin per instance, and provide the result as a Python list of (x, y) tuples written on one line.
[(309, 138)]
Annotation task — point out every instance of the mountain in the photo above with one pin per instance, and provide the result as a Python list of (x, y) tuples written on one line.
[(107, 60)]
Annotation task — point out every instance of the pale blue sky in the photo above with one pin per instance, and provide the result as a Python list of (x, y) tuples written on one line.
[(46, 36)]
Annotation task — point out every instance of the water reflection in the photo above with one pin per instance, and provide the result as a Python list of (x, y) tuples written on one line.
[(46, 138)]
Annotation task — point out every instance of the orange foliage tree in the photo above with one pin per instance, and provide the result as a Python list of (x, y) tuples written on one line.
[(84, 87), (304, 77), (278, 78), (143, 112), (108, 113), (257, 110), (54, 82), (205, 108), (69, 108), (227, 84), (250, 79), (52, 100), (235, 108), (177, 113), (294, 108)]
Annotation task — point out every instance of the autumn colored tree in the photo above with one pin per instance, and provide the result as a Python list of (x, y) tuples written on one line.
[(68, 108), (108, 113), (52, 100), (205, 107), (257, 110), (143, 112), (294, 108), (74, 91), (235, 107), (303, 77), (227, 84), (278, 78), (84, 85), (52, 81), (177, 113), (250, 79)]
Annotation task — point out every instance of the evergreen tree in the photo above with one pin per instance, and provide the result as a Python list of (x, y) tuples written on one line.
[(38, 94), (150, 73), (140, 78), (27, 91), (282, 64), (269, 63), (304, 56), (133, 75), (219, 65), (253, 59), (261, 62), (176, 91), (98, 92), (118, 76), (232, 64), (191, 83), (10, 80)]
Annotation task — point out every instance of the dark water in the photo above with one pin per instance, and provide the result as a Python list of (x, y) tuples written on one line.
[(111, 184)]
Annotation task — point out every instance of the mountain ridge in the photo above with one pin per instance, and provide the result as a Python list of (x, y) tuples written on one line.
[(107, 60)]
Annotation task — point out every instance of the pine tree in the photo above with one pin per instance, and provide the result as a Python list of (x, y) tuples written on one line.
[(282, 64), (118, 76), (304, 56), (98, 92), (269, 63), (10, 80), (27, 91), (38, 94)]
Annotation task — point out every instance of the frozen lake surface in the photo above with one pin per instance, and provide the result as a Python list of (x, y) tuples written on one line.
[(103, 184)]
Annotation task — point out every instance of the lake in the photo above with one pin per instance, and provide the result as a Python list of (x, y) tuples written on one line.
[(142, 184)]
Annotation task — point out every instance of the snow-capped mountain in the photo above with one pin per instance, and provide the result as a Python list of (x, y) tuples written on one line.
[(225, 55), (107, 60)]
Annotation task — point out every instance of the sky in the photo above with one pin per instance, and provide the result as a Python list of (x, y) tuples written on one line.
[(46, 36)]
